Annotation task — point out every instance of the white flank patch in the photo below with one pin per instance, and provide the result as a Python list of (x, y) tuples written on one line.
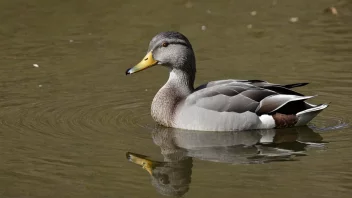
[(268, 122)]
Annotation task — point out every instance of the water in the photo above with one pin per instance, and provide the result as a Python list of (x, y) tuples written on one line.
[(67, 123)]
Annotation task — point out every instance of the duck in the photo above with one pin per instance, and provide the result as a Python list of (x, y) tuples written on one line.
[(222, 105)]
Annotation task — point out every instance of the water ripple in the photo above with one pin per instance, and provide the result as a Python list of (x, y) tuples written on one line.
[(69, 114), (325, 124)]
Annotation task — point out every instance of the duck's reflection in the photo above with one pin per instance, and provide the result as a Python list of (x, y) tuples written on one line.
[(173, 176)]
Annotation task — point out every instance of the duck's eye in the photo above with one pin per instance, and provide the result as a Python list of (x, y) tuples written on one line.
[(165, 44)]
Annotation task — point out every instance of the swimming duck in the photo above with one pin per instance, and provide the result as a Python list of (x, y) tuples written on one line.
[(223, 105)]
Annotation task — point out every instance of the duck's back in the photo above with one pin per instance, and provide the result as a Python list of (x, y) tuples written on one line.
[(229, 105)]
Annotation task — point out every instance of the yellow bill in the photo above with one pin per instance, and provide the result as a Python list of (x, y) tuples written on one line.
[(147, 61)]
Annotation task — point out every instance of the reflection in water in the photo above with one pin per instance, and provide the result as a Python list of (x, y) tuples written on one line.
[(172, 177)]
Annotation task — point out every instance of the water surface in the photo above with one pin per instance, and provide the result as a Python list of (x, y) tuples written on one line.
[(67, 125)]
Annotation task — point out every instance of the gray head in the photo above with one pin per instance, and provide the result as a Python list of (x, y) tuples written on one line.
[(170, 49)]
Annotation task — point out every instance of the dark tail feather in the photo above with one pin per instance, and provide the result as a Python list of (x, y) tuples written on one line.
[(290, 86)]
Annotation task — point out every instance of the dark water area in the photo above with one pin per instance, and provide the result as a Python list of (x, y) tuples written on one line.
[(73, 125)]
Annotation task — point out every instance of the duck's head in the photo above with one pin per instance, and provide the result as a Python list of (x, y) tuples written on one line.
[(169, 49)]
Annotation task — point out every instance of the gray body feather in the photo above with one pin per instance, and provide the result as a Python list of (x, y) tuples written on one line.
[(229, 105)]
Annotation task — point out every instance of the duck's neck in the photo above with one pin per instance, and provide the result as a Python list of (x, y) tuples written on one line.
[(181, 80), (176, 89)]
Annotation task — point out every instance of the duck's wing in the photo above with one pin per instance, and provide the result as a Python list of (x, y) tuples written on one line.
[(255, 96), (229, 105), (281, 89)]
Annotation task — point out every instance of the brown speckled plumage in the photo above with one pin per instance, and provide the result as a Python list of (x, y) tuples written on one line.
[(284, 121)]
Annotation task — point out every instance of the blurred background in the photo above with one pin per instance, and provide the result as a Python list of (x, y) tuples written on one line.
[(68, 113)]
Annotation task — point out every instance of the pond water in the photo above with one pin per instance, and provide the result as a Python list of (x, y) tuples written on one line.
[(73, 125)]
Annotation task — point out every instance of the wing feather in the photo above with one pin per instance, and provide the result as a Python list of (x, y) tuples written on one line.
[(228, 96), (239, 96), (256, 95), (273, 103)]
